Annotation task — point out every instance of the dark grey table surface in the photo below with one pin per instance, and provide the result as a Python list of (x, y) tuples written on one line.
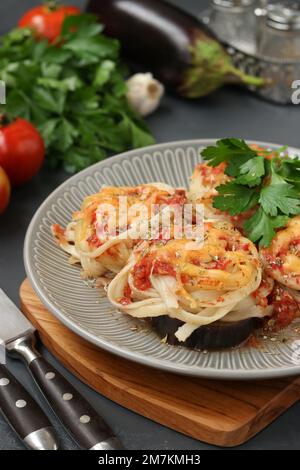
[(229, 112)]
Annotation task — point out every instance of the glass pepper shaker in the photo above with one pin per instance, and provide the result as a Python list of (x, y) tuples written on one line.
[(233, 21), (278, 34)]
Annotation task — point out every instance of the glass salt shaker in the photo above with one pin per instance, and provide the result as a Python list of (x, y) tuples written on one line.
[(233, 21), (278, 34)]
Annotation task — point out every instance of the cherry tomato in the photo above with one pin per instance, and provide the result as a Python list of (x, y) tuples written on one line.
[(4, 190), (22, 151), (47, 20)]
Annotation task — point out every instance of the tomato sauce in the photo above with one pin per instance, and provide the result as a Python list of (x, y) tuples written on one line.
[(185, 278), (179, 198), (94, 241), (126, 299), (141, 273), (94, 217), (58, 230), (143, 269), (273, 262), (286, 309), (221, 264), (163, 268), (209, 173)]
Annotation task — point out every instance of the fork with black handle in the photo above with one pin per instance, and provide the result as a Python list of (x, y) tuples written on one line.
[(24, 414), (86, 426)]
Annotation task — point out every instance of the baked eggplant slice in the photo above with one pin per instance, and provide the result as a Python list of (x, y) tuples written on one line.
[(217, 335)]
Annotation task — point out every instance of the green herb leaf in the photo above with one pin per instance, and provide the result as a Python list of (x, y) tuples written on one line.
[(251, 172), (67, 84), (48, 100), (138, 136), (226, 150), (74, 91), (18, 105), (55, 55), (65, 135), (99, 47), (234, 198), (280, 197), (103, 73), (261, 227), (47, 130), (81, 25), (77, 158), (290, 169), (269, 179)]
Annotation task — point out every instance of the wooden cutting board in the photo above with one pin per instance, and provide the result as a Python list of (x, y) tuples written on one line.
[(222, 413)]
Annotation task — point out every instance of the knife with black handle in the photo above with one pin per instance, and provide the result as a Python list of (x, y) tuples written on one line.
[(24, 414), (78, 416), (83, 422)]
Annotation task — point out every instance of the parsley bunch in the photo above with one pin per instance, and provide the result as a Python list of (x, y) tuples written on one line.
[(266, 180), (73, 91)]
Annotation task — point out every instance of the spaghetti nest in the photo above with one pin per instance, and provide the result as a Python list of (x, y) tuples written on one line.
[(192, 282), (101, 235)]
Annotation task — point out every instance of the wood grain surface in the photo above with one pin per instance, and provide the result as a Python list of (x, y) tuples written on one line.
[(224, 413)]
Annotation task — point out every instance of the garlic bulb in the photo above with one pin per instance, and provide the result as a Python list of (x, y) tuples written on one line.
[(144, 93)]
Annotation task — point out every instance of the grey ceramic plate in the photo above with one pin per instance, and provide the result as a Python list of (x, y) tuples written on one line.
[(81, 308)]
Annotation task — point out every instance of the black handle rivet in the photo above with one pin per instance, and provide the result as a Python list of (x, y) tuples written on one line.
[(67, 396), (4, 382), (21, 403), (84, 419), (50, 375)]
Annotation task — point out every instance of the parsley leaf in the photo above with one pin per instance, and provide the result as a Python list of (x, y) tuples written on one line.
[(73, 91), (252, 171), (290, 169), (234, 198), (281, 197), (47, 130), (226, 149), (261, 227), (268, 179)]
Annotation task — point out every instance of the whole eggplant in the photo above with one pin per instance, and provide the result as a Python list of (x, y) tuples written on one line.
[(173, 45)]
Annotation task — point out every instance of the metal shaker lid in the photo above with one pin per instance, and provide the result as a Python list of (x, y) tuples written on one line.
[(232, 3), (284, 16)]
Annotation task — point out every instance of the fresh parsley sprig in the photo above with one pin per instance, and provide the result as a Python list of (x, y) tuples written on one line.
[(261, 179), (73, 91)]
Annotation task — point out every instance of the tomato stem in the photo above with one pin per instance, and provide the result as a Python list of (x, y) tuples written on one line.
[(52, 5), (3, 120)]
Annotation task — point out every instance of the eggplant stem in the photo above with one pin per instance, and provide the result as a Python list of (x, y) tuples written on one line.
[(235, 74)]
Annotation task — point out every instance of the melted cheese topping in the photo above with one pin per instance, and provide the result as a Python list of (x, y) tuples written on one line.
[(281, 259), (197, 284), (97, 236), (225, 260)]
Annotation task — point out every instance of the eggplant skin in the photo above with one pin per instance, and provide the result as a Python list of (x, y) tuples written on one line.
[(218, 335), (153, 34)]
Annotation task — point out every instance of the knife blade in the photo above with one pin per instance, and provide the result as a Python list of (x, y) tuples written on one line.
[(24, 415), (82, 421), (13, 323)]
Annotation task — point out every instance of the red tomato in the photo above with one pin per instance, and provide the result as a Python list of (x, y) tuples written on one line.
[(47, 20), (22, 151), (4, 190)]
